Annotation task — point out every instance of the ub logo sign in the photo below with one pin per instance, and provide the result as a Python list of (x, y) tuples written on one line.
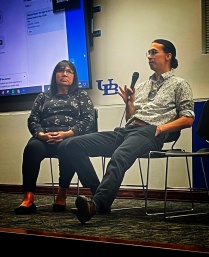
[(109, 88)]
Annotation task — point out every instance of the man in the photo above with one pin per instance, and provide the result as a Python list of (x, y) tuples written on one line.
[(154, 108)]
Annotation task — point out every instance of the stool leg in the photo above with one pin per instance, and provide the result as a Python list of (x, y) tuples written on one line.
[(51, 169), (203, 171)]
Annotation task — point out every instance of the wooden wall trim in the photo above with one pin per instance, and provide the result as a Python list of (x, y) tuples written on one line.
[(174, 195)]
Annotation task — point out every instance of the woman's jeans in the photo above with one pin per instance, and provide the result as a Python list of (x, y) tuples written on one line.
[(35, 151)]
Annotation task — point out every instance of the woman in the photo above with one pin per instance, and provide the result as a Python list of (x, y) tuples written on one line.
[(62, 112)]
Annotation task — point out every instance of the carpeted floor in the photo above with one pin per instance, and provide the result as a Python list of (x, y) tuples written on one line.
[(131, 224)]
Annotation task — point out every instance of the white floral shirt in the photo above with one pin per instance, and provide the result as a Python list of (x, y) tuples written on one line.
[(174, 99)]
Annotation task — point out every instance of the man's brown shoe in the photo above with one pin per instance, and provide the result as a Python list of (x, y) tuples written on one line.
[(86, 209)]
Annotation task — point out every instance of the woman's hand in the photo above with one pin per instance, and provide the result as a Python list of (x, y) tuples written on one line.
[(50, 137), (54, 137)]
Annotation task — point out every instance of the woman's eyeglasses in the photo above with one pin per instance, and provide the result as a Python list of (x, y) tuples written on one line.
[(67, 71)]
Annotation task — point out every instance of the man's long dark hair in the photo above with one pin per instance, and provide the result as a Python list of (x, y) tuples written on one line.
[(168, 47)]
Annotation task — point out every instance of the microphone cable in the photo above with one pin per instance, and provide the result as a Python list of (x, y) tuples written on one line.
[(135, 77), (120, 125)]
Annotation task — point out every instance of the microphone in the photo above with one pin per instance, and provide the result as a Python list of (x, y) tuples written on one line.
[(135, 77)]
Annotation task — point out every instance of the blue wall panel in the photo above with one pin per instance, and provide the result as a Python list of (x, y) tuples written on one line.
[(198, 143)]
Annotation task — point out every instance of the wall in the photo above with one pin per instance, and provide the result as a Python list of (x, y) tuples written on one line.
[(128, 28), (15, 135)]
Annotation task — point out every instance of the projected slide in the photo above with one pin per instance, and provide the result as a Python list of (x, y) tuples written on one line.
[(33, 40)]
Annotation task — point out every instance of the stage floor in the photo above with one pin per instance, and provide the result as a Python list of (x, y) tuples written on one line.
[(127, 227)]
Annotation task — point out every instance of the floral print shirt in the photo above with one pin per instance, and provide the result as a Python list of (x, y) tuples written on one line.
[(62, 112), (173, 99)]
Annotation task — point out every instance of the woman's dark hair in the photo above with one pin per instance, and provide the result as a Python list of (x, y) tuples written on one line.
[(61, 66), (168, 47)]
